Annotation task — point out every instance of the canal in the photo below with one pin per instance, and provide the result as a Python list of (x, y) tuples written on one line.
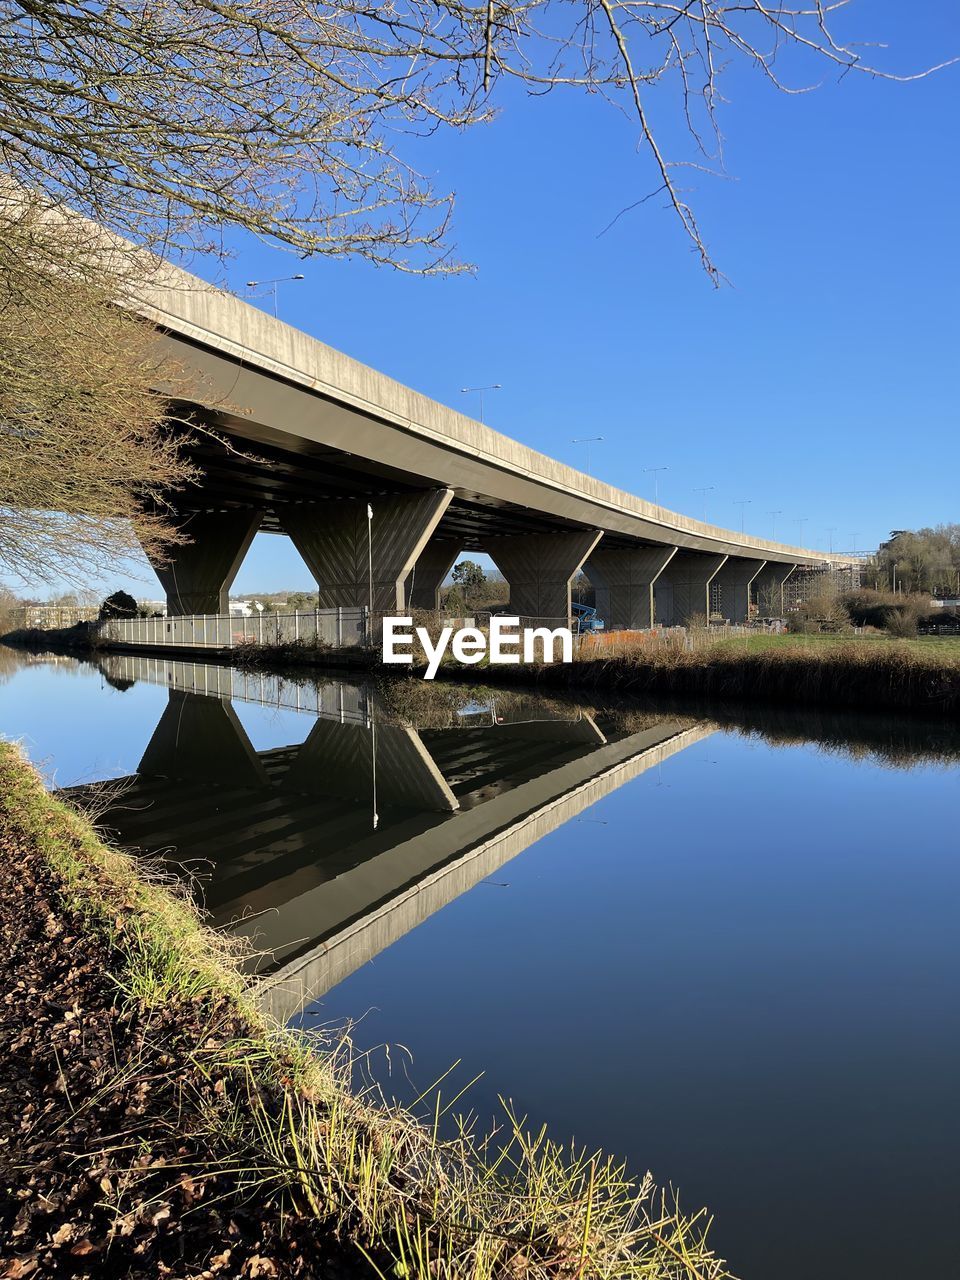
[(721, 944)]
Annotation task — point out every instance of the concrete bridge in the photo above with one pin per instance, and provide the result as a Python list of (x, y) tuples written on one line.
[(325, 852), (310, 437)]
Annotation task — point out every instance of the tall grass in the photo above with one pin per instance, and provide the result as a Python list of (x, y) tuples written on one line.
[(510, 1205), (889, 675)]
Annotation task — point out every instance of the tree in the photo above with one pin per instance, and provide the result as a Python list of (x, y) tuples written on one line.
[(469, 577), (169, 119), (925, 559), (86, 461), (119, 605), (299, 600)]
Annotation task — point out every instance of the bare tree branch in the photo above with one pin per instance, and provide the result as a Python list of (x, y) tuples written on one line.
[(170, 120)]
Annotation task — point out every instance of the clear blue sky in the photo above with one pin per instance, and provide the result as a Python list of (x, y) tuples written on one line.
[(821, 382)]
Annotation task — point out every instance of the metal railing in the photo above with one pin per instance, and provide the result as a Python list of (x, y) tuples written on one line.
[(323, 628)]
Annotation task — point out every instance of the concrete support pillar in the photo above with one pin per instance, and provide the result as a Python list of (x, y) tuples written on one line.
[(198, 575), (682, 591), (200, 739), (434, 563), (768, 588), (734, 581), (623, 581), (375, 764), (333, 540), (540, 568)]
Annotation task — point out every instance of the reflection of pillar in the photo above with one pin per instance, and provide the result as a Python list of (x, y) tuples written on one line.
[(540, 568), (682, 591), (200, 739), (426, 578), (734, 581), (333, 540), (768, 588), (197, 575), (338, 759), (623, 580)]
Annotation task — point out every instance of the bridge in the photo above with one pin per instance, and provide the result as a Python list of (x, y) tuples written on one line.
[(306, 439), (325, 852)]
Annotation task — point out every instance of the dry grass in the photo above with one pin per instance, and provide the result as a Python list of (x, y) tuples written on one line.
[(511, 1205), (850, 672)]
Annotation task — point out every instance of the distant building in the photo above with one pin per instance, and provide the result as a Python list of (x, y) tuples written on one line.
[(51, 617)]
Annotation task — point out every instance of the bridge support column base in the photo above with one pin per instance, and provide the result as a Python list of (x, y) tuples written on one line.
[(540, 568), (768, 588), (377, 763), (623, 581), (426, 578), (338, 543), (682, 591), (200, 737), (734, 581), (197, 576)]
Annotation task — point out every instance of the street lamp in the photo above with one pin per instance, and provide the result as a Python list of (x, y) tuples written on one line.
[(741, 503), (261, 284), (705, 489), (773, 516), (830, 532), (587, 440), (493, 386), (655, 472), (801, 521)]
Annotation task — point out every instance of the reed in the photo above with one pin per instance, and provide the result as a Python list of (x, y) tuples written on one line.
[(887, 675)]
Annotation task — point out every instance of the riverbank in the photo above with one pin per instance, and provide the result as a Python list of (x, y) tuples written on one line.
[(155, 1124), (863, 673), (825, 671)]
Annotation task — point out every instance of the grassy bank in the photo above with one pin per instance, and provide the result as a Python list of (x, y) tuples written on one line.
[(157, 1125), (859, 673)]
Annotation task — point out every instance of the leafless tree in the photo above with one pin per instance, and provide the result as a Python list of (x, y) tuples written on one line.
[(86, 459), (170, 119)]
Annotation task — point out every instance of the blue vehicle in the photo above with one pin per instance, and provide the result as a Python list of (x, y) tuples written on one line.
[(586, 620)]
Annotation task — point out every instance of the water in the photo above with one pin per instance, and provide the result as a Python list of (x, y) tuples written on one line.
[(731, 958)]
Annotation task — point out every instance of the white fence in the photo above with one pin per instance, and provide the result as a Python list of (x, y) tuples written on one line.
[(326, 628), (336, 700)]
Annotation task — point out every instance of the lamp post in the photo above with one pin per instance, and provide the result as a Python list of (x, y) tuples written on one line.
[(588, 441), (704, 490), (493, 386), (830, 532), (801, 521), (260, 284), (655, 472), (370, 573), (741, 503), (773, 516)]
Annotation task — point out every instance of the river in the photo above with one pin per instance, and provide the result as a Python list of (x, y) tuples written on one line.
[(722, 944)]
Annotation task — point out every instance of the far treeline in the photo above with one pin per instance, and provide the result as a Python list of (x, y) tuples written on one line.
[(916, 560)]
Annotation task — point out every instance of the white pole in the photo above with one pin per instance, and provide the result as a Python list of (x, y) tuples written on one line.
[(370, 572)]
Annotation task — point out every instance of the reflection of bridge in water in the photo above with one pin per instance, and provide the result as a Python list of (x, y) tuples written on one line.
[(326, 852)]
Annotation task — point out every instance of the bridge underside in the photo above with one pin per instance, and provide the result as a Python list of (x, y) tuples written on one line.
[(252, 480)]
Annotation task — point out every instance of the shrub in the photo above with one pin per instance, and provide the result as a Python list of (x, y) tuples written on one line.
[(119, 605)]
